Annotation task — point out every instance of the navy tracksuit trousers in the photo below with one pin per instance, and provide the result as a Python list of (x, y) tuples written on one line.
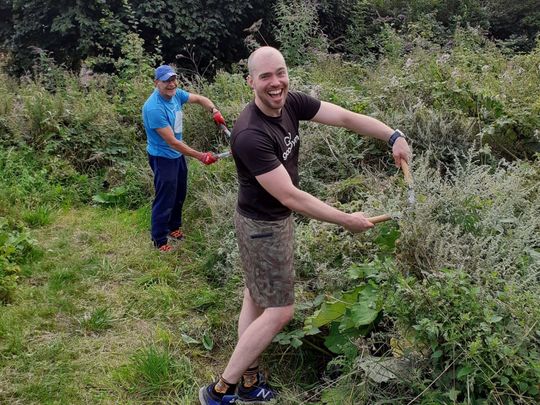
[(170, 184)]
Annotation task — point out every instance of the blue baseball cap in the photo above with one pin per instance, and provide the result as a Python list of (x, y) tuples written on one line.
[(164, 72)]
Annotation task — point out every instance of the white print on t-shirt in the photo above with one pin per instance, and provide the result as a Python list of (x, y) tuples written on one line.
[(178, 122), (290, 144)]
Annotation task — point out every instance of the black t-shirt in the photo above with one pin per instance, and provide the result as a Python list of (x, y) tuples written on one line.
[(261, 143)]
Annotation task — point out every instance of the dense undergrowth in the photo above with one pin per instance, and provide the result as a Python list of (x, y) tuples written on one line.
[(439, 306)]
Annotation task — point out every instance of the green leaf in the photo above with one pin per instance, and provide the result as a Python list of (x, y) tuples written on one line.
[(523, 386), (464, 371), (296, 343), (328, 313), (495, 319), (437, 354), (100, 198), (365, 311), (188, 339), (335, 341), (208, 342), (453, 394), (331, 311), (361, 314), (310, 330)]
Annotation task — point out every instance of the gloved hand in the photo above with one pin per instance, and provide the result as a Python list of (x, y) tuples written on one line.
[(208, 158), (218, 118)]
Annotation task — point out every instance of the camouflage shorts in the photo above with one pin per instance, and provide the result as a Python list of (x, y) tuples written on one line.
[(266, 250)]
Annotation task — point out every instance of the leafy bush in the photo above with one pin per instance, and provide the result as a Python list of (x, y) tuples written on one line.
[(73, 33), (16, 247), (459, 96), (483, 343), (456, 308), (474, 260), (33, 181), (298, 30)]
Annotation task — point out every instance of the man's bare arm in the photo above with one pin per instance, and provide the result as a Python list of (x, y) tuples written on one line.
[(278, 183)]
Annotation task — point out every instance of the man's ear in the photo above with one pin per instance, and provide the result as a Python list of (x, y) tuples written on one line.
[(249, 81)]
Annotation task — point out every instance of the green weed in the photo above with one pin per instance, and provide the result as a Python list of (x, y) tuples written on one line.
[(40, 216), (153, 371), (98, 320), (63, 280)]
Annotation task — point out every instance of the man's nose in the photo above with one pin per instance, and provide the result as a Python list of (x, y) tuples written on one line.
[(274, 81)]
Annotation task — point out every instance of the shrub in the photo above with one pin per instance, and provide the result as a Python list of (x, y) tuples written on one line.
[(460, 96), (298, 30), (468, 255)]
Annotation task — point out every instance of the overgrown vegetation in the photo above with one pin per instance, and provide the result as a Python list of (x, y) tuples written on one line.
[(438, 306), (203, 37)]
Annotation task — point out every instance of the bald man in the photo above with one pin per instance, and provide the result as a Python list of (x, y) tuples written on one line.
[(265, 145)]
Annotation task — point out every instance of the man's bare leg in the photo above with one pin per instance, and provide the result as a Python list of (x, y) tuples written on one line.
[(256, 337), (250, 311)]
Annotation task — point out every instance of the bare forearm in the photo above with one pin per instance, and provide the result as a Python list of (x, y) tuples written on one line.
[(334, 115), (204, 102), (310, 206), (362, 124), (185, 149)]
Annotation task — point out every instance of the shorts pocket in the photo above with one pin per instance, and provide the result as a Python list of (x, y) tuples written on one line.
[(262, 235)]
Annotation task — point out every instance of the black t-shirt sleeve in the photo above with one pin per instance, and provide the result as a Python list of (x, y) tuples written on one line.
[(256, 151), (305, 107)]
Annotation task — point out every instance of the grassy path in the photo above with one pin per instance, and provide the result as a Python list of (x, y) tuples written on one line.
[(104, 318)]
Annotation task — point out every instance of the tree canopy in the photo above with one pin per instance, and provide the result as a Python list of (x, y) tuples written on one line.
[(207, 35)]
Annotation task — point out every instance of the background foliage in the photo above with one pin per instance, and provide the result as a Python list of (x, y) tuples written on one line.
[(205, 36), (438, 306)]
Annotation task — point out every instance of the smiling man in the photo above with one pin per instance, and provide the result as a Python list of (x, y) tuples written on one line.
[(265, 144), (162, 118)]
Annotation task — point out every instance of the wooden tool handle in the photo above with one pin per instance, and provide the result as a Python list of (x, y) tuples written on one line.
[(406, 172), (379, 218)]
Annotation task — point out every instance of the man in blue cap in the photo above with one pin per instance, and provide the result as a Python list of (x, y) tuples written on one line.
[(162, 118)]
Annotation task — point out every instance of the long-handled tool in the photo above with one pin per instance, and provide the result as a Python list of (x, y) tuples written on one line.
[(228, 134), (411, 198)]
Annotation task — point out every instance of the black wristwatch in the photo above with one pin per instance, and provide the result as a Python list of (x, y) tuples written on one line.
[(393, 138)]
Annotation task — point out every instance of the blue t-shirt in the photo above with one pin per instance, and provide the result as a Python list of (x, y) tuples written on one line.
[(158, 112)]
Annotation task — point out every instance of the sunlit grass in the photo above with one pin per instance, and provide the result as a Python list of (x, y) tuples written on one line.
[(99, 291)]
